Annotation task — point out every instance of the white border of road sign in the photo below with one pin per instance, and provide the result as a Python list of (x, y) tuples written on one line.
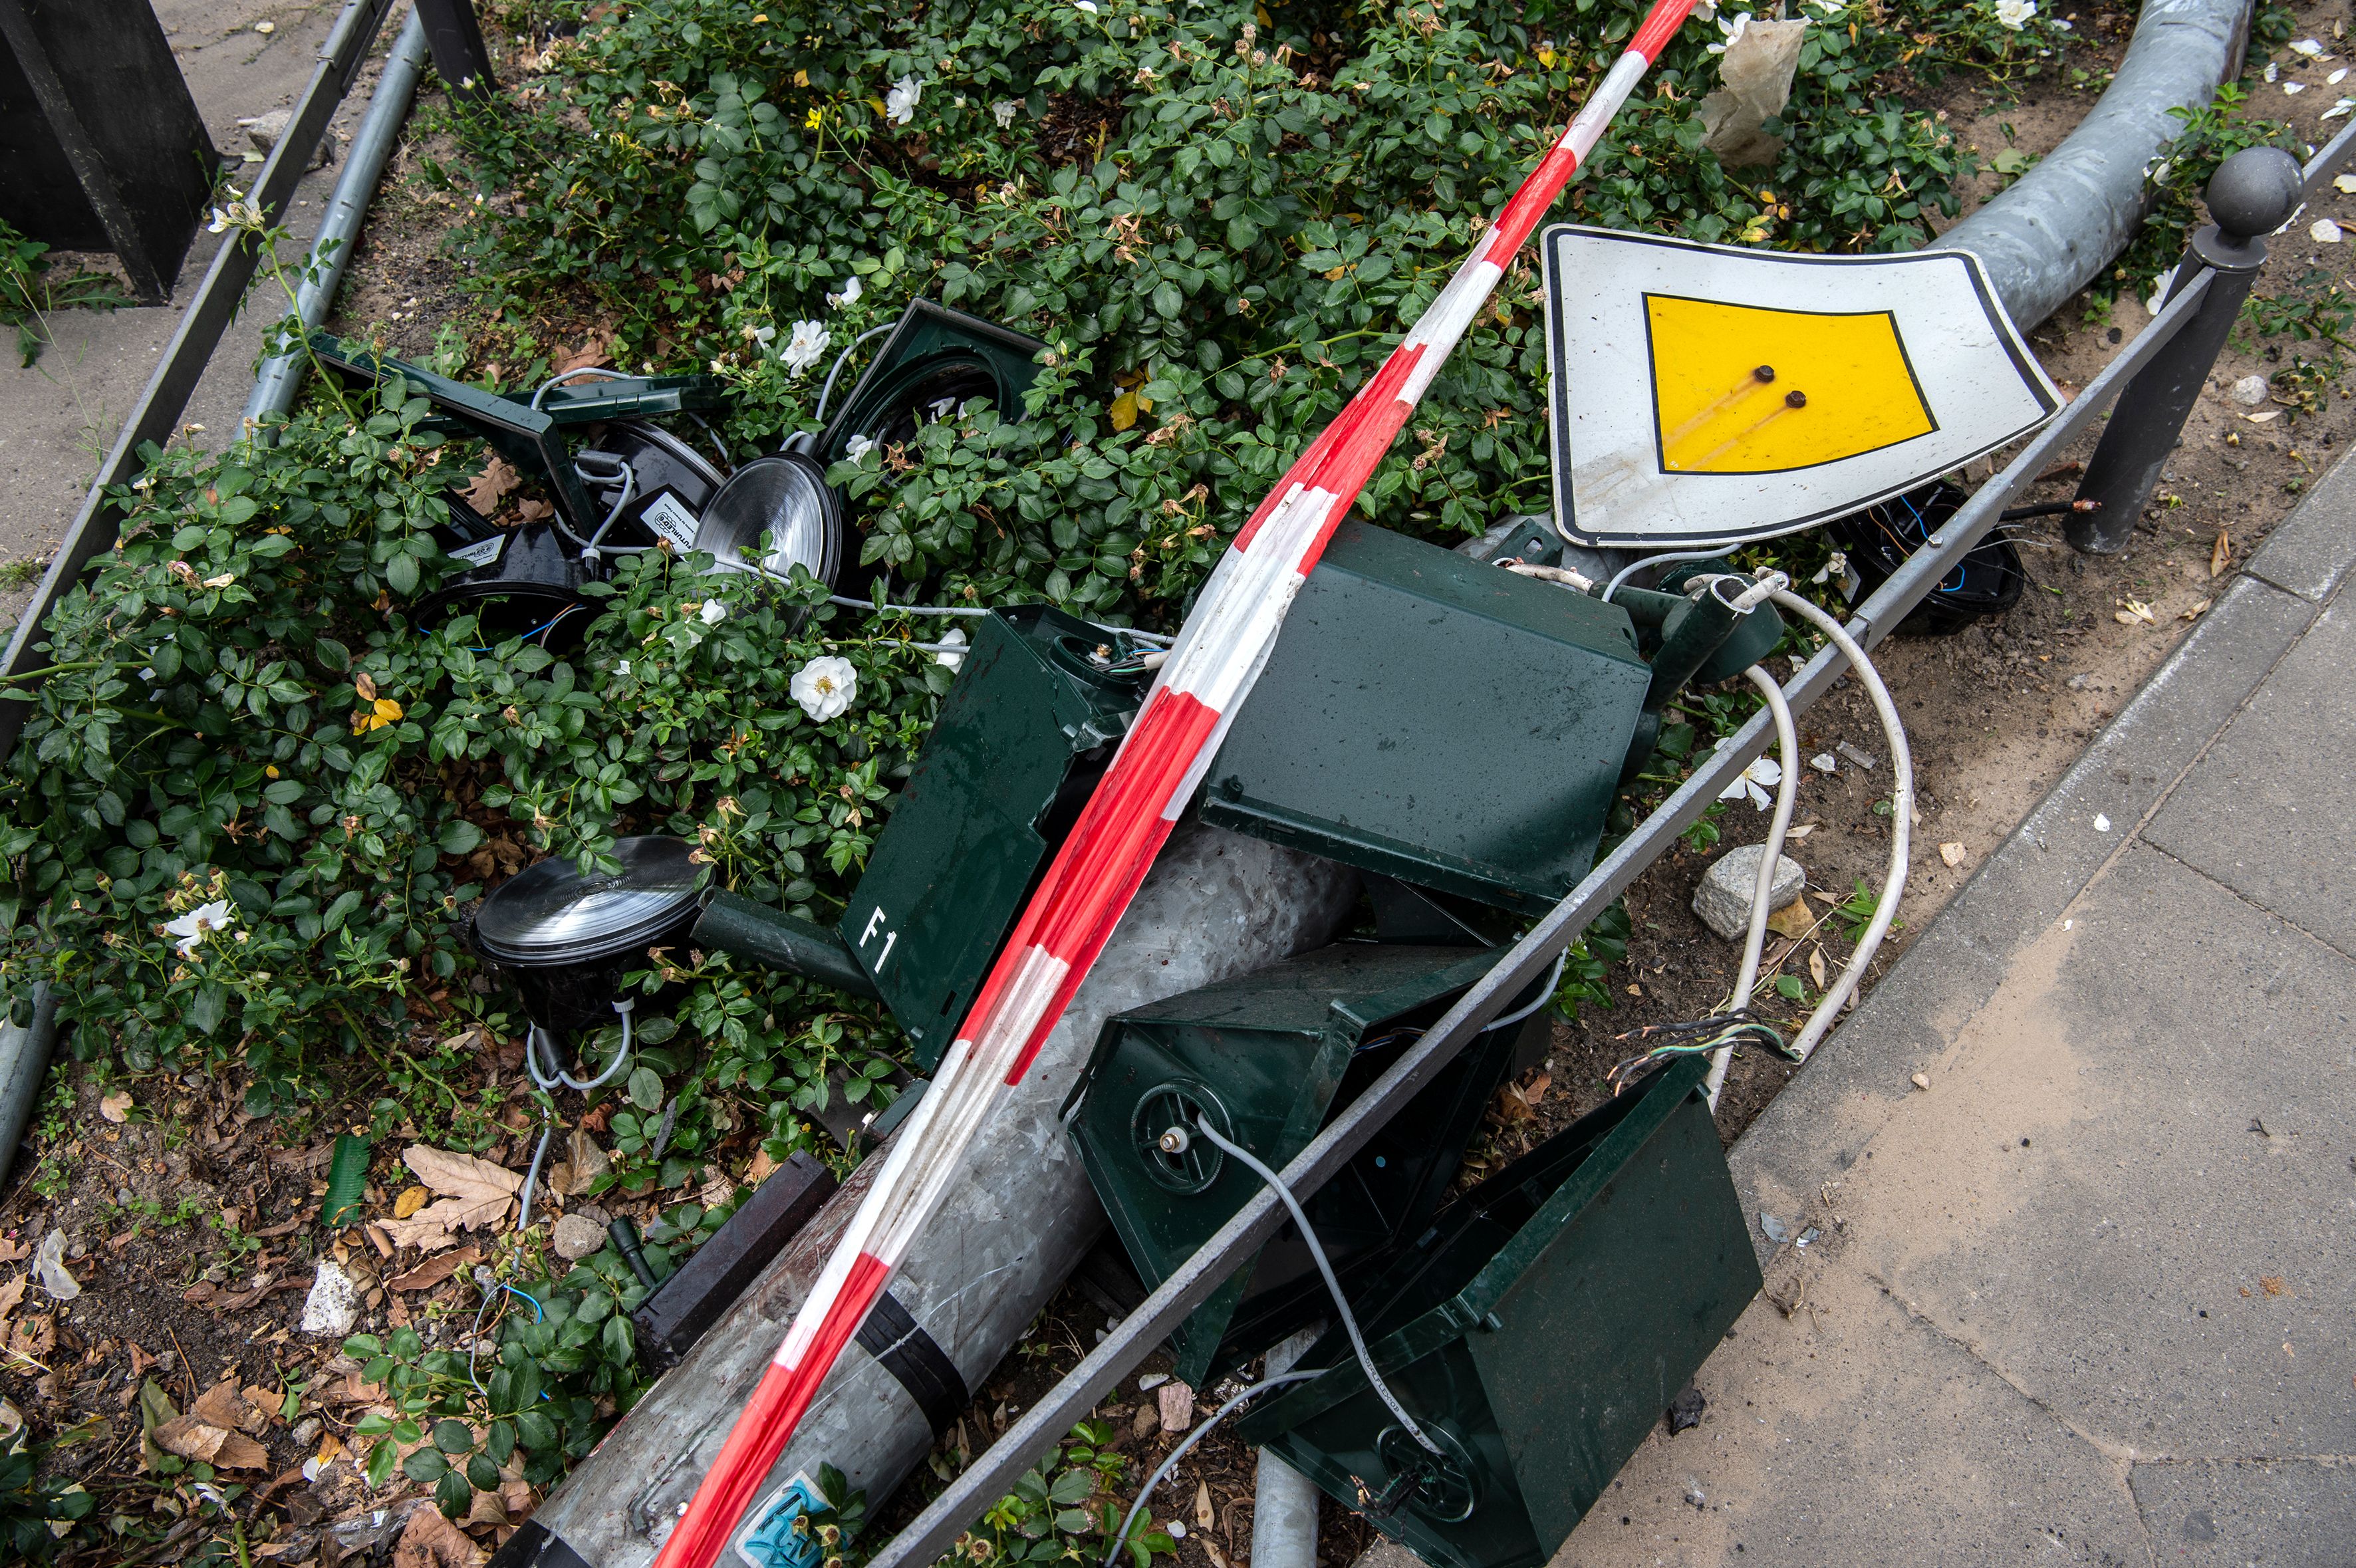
[(1599, 338)]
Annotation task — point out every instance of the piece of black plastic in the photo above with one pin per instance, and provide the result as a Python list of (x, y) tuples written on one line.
[(1986, 582), (690, 1301), (104, 147)]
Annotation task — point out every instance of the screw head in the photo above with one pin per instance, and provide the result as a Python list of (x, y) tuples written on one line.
[(1174, 1141), (2255, 191)]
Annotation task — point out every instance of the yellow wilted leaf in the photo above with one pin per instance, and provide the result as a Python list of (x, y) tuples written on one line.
[(801, 79), (410, 1202), (1122, 411), (1546, 59)]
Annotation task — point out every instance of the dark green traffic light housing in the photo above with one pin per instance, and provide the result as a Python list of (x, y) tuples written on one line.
[(1536, 1330), (937, 360), (1268, 1059)]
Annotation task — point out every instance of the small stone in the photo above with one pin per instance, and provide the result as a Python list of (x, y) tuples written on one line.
[(577, 1236), (264, 131), (334, 1303), (2102, 824), (307, 1431), (2252, 391), (1921, 1080), (1150, 1380), (1723, 898), (1953, 854), (49, 1264), (265, 29), (1176, 1402), (1823, 762), (1177, 1530)]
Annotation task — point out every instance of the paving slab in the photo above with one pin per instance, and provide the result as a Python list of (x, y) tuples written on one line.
[(1818, 1126), (2266, 812), (2308, 552), (2129, 1187), (1852, 1435), (2218, 1514)]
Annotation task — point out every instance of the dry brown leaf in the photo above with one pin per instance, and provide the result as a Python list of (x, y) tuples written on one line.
[(2197, 611), (364, 685), (1816, 966), (116, 1107), (1203, 1518), (591, 354), (2220, 555), (221, 1405), (1793, 921), (15, 1252), (12, 1294), (193, 1437), (433, 1541), (411, 1200), (1953, 854), (487, 1508), (331, 1448), (534, 510), (761, 1169), (433, 1270), (585, 1163), (264, 1404), (478, 1193), (499, 476)]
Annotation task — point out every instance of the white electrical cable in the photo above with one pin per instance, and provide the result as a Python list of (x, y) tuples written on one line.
[(1901, 824), (1671, 559), (1786, 793), (1325, 1267), (1562, 574), (1162, 1474)]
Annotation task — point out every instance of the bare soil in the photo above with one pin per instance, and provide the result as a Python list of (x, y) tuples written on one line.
[(193, 1226)]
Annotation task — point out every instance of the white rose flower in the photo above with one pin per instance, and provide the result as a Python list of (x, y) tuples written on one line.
[(2015, 13), (191, 926), (621, 667), (952, 652), (714, 611), (858, 446), (851, 289), (900, 103), (1004, 110), (1734, 30), (803, 348), (824, 687), (1755, 781), (1088, 6)]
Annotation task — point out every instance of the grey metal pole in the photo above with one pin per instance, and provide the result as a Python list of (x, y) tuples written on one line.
[(2252, 194), (1284, 1501), (331, 250), (458, 51), (24, 1061)]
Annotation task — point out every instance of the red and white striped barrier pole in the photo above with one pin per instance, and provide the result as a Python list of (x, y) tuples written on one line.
[(1220, 653)]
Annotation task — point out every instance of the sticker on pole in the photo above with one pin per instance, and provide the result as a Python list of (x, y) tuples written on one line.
[(1705, 395)]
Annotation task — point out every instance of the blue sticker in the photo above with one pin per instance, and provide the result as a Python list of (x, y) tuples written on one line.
[(770, 1541)]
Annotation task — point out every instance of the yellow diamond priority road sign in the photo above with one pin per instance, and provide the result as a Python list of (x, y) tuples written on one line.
[(1704, 395)]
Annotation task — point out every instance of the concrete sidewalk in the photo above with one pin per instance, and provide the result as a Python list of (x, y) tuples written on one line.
[(2090, 1296)]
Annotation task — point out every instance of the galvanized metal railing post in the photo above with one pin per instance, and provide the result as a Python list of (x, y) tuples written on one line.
[(2252, 194)]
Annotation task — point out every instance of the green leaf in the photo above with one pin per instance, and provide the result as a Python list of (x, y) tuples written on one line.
[(459, 836), (425, 1465), (646, 1090), (453, 1437)]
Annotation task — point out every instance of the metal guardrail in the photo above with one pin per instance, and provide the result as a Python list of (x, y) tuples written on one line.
[(994, 1472)]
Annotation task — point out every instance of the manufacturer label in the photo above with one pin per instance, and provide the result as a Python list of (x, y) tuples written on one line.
[(481, 553), (669, 517)]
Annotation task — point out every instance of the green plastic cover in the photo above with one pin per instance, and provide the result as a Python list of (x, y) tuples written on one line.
[(1535, 1332)]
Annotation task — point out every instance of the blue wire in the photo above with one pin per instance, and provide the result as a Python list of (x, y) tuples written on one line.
[(539, 1315)]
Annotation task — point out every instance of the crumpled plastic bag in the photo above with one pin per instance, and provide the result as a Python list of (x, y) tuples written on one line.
[(1755, 76), (49, 1265)]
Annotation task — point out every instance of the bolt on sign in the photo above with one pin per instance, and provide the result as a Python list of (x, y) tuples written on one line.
[(1706, 395)]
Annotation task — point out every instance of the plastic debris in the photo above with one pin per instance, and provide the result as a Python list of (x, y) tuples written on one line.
[(1685, 1411), (1823, 762), (50, 1265), (1755, 76), (1774, 1229), (1865, 760)]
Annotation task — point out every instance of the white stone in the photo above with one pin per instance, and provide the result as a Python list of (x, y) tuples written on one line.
[(577, 1236), (334, 1303), (1723, 898), (2252, 391)]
